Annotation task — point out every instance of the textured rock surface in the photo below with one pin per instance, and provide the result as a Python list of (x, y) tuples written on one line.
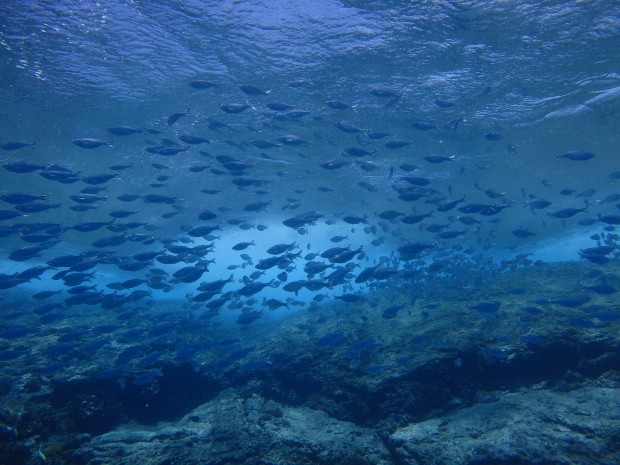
[(530, 427), (230, 429)]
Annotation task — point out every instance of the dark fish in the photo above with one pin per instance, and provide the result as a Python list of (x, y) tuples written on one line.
[(391, 312), (256, 206), (201, 85), (9, 214), (124, 130), (444, 207), (358, 151), (268, 263), (158, 198), (189, 139), (35, 207), (609, 219), (201, 231), (248, 316), (345, 256), (377, 134), (302, 220), (110, 241), (242, 245), (86, 198), (576, 155), (122, 213), (252, 90), (438, 158), (397, 144), (189, 274), (264, 144), (281, 248), (408, 167), (415, 180), (91, 226), (206, 215), (16, 145), (333, 164), (26, 253), (254, 288), (275, 106), (166, 150), (291, 139), (234, 108), (423, 125), (88, 143), (17, 198), (538, 204), (348, 297), (338, 105), (412, 249), (62, 176), (486, 307), (22, 167), (444, 103), (351, 219), (493, 136), (390, 214), (128, 197), (347, 127), (414, 219), (96, 179), (174, 117), (523, 233), (567, 212)]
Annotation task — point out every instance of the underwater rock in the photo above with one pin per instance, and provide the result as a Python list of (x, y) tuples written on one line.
[(234, 429), (519, 427)]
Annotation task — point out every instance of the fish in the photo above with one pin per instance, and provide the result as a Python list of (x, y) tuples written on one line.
[(444, 103), (396, 144), (174, 117), (22, 167), (276, 106), (234, 108), (334, 164), (390, 214), (577, 155), (264, 144), (358, 151), (414, 219), (124, 130), (438, 158), (493, 136), (339, 105), (567, 212), (99, 178), (423, 125), (301, 220), (291, 139), (347, 127), (17, 198), (194, 140), (16, 145), (89, 143), (254, 288), (253, 90), (202, 84), (279, 249), (243, 245)]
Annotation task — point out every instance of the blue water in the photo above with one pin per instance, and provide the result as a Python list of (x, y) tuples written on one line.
[(509, 108)]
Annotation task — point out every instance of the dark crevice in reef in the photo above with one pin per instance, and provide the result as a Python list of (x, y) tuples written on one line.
[(96, 406), (457, 380)]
